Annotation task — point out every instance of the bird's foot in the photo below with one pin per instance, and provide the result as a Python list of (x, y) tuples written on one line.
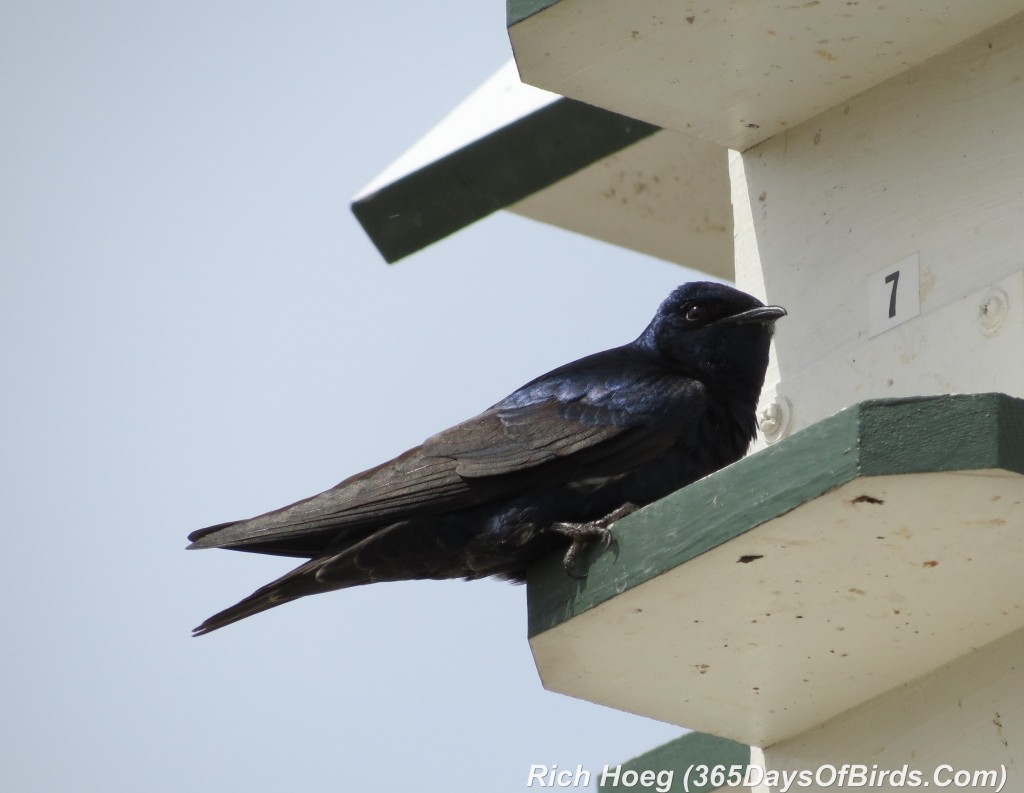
[(583, 534)]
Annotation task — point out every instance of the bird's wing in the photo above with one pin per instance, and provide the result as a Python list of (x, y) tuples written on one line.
[(572, 428), (546, 435)]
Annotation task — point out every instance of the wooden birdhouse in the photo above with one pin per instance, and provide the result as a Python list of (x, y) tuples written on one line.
[(848, 595)]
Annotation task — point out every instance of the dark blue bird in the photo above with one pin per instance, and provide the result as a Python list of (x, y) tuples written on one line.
[(547, 468)]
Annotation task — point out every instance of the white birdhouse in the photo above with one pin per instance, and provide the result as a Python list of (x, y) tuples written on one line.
[(850, 593)]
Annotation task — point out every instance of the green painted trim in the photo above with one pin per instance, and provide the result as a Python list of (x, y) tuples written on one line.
[(950, 433), (682, 756), (874, 438), (491, 173), (518, 10)]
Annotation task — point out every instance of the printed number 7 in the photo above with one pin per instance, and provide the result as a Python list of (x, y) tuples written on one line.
[(894, 279)]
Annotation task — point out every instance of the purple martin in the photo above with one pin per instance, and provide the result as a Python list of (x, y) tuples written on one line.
[(546, 469)]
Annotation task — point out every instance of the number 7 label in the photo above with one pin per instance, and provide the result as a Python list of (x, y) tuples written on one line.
[(894, 295)]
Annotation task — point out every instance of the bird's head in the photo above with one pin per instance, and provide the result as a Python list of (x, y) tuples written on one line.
[(715, 332)]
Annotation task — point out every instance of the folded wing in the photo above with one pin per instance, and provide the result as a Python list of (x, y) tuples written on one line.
[(538, 436)]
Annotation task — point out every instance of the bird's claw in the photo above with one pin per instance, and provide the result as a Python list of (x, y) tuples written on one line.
[(583, 534), (570, 561)]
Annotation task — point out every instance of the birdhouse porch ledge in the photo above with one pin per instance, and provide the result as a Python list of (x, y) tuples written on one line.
[(846, 561)]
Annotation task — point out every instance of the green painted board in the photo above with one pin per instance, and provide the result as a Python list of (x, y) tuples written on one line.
[(491, 173), (684, 763), (873, 438), (518, 10)]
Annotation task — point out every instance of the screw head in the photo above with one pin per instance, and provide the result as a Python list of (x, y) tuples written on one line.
[(775, 418), (991, 311)]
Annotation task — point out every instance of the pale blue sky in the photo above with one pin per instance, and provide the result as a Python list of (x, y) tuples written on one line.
[(193, 328)]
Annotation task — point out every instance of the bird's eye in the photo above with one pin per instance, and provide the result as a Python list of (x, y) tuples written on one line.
[(694, 312)]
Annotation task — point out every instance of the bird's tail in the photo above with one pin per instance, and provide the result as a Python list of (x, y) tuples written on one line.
[(295, 584)]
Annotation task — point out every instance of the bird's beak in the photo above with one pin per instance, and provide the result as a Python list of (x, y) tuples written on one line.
[(764, 314)]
